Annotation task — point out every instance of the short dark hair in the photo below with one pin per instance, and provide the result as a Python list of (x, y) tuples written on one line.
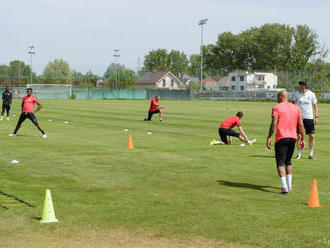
[(303, 83), (29, 89), (239, 114)]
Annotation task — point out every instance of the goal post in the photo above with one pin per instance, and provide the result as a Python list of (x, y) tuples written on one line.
[(51, 91)]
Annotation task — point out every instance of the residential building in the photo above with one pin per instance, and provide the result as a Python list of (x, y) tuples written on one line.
[(160, 80), (252, 81)]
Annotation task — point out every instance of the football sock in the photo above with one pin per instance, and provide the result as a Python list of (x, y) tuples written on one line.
[(299, 152), (289, 181), (283, 182)]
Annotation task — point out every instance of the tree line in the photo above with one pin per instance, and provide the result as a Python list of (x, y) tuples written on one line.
[(293, 53)]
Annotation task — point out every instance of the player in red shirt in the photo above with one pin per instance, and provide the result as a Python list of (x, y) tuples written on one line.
[(225, 129), (155, 108), (28, 112), (285, 118)]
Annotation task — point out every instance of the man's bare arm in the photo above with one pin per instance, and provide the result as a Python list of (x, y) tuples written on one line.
[(39, 107), (272, 127), (316, 111), (242, 133)]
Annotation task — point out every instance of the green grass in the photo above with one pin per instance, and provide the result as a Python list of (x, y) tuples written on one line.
[(172, 184)]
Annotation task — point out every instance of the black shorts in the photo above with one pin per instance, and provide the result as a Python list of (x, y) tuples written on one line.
[(150, 114), (30, 116), (224, 132), (309, 126), (284, 149)]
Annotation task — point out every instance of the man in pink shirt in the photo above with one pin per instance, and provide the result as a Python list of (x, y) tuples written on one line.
[(285, 118), (28, 112)]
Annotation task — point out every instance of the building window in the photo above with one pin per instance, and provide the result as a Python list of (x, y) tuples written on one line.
[(241, 78), (274, 86), (259, 78), (242, 87), (172, 83), (233, 87), (233, 78), (268, 87), (164, 83)]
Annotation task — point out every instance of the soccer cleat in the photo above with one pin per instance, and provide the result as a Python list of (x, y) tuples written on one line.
[(298, 157), (44, 136), (160, 120), (250, 142), (312, 157), (284, 191), (12, 134), (212, 142)]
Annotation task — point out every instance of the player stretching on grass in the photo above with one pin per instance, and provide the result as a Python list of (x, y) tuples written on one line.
[(155, 108), (285, 118), (225, 129), (28, 112)]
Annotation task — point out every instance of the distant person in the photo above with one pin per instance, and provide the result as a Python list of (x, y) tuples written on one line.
[(285, 118), (306, 101), (6, 102), (28, 112), (155, 108), (225, 130)]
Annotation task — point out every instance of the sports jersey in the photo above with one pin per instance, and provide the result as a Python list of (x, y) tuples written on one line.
[(29, 102), (288, 117), (230, 122), (305, 102), (153, 106), (6, 97)]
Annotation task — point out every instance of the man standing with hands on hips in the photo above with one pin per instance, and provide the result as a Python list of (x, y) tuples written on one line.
[(307, 102), (285, 118)]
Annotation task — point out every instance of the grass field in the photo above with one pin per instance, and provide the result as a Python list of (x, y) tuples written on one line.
[(172, 190)]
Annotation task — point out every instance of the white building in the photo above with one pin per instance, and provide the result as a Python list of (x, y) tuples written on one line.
[(252, 81)]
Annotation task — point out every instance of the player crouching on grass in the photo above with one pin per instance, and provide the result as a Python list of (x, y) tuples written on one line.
[(225, 129), (155, 108), (28, 112)]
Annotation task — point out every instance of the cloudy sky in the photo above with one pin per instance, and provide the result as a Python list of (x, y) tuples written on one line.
[(85, 32)]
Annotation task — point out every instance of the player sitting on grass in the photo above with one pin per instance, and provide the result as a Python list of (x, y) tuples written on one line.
[(225, 129), (155, 108), (28, 112)]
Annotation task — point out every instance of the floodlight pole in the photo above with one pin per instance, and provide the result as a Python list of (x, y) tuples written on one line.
[(201, 23), (31, 52), (116, 55)]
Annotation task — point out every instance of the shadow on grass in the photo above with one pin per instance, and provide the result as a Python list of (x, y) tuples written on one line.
[(261, 156), (36, 218), (263, 188)]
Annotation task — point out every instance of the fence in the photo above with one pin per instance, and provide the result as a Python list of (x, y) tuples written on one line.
[(236, 95)]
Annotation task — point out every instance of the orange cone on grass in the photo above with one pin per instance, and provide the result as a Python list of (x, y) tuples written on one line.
[(130, 143), (314, 197)]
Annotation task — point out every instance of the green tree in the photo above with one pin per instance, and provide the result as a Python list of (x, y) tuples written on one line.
[(125, 78), (57, 71), (160, 60)]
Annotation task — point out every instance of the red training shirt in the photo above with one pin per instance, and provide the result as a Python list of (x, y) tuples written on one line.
[(288, 117), (29, 102), (230, 122), (153, 106)]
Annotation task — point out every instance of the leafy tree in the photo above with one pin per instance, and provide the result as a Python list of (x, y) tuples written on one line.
[(160, 60), (57, 71)]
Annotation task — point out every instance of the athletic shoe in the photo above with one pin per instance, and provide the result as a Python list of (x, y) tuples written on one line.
[(298, 157), (250, 142), (212, 142), (12, 134), (312, 157), (284, 191), (44, 136)]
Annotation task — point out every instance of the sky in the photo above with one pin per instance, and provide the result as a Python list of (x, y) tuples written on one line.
[(85, 32)]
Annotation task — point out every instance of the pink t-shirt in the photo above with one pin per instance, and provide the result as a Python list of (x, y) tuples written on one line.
[(288, 117), (230, 122), (29, 102)]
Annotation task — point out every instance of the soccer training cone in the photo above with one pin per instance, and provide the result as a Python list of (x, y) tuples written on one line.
[(314, 197), (48, 213), (130, 143)]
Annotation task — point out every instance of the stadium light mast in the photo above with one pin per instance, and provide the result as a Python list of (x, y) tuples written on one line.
[(31, 52), (202, 23), (116, 55)]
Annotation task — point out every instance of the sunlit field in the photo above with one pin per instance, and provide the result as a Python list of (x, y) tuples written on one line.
[(171, 190)]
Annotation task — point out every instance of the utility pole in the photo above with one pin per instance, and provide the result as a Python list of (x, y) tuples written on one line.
[(202, 23), (116, 55), (31, 52)]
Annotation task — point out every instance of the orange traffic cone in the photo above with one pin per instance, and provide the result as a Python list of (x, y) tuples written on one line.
[(314, 197), (130, 143)]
